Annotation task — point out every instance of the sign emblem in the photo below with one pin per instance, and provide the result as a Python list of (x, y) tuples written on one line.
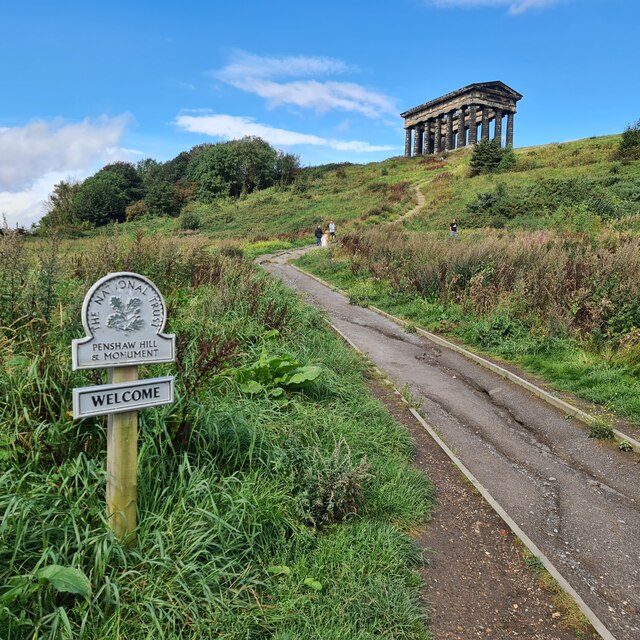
[(123, 315)]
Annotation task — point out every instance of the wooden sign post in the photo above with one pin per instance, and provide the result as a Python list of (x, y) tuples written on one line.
[(123, 315), (122, 464)]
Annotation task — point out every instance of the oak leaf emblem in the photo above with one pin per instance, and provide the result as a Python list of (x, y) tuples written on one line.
[(127, 316)]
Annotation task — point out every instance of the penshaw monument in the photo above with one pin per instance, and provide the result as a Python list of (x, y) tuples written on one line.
[(452, 121)]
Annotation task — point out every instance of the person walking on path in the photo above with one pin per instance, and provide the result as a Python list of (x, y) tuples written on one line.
[(318, 235), (453, 229), (332, 230)]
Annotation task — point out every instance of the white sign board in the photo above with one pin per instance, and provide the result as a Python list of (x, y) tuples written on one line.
[(123, 316), (125, 396)]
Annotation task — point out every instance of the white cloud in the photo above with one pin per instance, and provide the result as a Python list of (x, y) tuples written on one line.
[(27, 206), (259, 75), (247, 65), (322, 96), (232, 127), (27, 153), (515, 6), (34, 157)]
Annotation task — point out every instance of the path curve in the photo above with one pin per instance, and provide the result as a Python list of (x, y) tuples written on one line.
[(577, 498)]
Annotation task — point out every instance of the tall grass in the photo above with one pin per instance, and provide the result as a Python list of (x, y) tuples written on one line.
[(552, 282), (260, 515)]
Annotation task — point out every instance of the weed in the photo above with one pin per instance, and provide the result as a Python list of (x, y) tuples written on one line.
[(625, 445), (534, 562), (599, 428), (570, 615), (409, 397), (332, 487)]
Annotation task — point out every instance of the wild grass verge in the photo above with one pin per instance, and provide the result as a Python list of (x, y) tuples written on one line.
[(271, 505)]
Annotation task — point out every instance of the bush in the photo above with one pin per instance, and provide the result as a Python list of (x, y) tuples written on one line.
[(332, 486), (136, 210), (494, 208), (630, 143), (490, 157), (190, 221)]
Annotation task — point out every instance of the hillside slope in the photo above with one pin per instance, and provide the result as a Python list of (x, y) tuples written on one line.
[(576, 186)]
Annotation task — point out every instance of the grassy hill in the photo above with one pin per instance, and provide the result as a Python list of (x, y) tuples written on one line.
[(576, 186), (351, 195)]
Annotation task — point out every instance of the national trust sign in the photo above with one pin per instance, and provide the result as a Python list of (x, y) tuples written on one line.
[(123, 316)]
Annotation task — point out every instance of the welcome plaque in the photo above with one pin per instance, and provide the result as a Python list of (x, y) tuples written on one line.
[(123, 315), (117, 398)]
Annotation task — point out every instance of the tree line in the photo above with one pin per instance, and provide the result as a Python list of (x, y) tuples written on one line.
[(122, 191)]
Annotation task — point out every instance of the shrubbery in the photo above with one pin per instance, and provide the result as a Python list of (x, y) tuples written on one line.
[(569, 199), (630, 144), (543, 279), (190, 221), (489, 157)]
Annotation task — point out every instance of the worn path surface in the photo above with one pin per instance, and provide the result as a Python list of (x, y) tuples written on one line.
[(577, 498)]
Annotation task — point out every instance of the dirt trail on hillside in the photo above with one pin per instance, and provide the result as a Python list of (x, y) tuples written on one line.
[(577, 498), (420, 202)]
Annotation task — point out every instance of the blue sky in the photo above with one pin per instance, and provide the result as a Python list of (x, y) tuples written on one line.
[(84, 84)]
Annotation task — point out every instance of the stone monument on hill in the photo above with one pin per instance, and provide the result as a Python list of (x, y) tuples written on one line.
[(442, 124)]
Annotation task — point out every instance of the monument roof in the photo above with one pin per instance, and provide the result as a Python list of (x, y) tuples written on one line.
[(494, 86)]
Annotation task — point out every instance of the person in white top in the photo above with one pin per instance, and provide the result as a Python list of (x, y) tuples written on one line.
[(332, 230)]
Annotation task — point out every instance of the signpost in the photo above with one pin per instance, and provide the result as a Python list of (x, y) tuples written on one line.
[(123, 315)]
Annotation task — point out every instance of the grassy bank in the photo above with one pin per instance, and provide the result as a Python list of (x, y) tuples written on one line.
[(273, 495)]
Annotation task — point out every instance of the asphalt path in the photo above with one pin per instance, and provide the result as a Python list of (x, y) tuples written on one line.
[(577, 498)]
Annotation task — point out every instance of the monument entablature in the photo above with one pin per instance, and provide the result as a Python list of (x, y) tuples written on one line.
[(452, 121)]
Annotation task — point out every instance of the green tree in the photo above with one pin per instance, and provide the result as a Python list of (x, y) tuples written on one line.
[(287, 167), (489, 157), (175, 170), (630, 143), (132, 181), (163, 199), (486, 157), (101, 199), (59, 208), (257, 161), (508, 161), (232, 168)]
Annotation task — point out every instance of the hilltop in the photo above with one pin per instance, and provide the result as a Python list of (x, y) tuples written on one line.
[(579, 186)]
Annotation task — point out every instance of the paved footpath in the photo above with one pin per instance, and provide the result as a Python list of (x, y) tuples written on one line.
[(577, 498)]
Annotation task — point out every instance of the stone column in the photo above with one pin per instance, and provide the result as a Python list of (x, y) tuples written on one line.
[(407, 143), (462, 133), (498, 132), (510, 129), (437, 144), (448, 144), (485, 123), (473, 124), (417, 140), (428, 138)]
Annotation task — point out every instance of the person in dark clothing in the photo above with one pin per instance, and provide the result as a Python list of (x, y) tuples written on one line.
[(319, 234), (453, 229)]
